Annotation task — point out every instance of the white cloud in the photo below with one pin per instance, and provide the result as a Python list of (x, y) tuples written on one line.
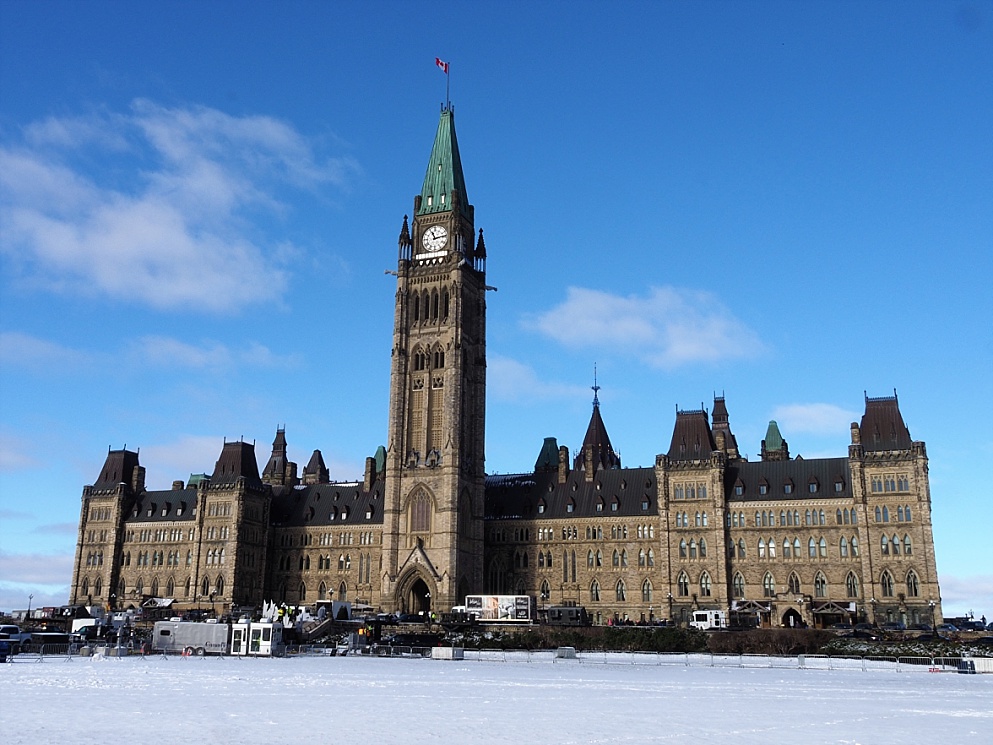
[(668, 328), (42, 569), (178, 459), (959, 595), (177, 234), (510, 380), (822, 419), (23, 350)]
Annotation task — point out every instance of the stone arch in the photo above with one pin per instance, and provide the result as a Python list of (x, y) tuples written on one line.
[(792, 619), (414, 591)]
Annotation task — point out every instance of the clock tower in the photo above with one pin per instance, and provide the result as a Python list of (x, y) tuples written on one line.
[(433, 511)]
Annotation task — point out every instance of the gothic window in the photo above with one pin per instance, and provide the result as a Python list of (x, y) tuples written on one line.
[(624, 557), (170, 588), (621, 591), (822, 548), (786, 548), (322, 592), (908, 548), (820, 586), (599, 558), (86, 587), (444, 305), (651, 558), (420, 513), (692, 548), (761, 548), (738, 586), (884, 544), (705, 519), (703, 548), (843, 547), (741, 548), (616, 559), (913, 585), (855, 547), (682, 549), (343, 592), (879, 515), (886, 514), (541, 560), (589, 558), (895, 542), (769, 585), (646, 591), (683, 585), (205, 587), (811, 549), (641, 557), (772, 548), (705, 585), (899, 514), (793, 584), (595, 592), (906, 513), (545, 590), (886, 583)]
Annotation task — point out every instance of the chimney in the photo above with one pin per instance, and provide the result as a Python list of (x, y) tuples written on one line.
[(178, 485), (563, 464), (370, 474)]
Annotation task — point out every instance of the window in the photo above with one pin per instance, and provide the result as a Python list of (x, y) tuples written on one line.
[(705, 586), (620, 591), (692, 548), (616, 559), (852, 585), (641, 557), (651, 557), (738, 586), (741, 548), (420, 513), (886, 583), (913, 585), (884, 544), (855, 547), (786, 548), (571, 506), (886, 514), (812, 486), (820, 586), (595, 592), (769, 585), (772, 548), (788, 487), (703, 548), (843, 547), (895, 542), (794, 584), (646, 592), (811, 549), (589, 558), (879, 515), (683, 585), (822, 548), (908, 548), (761, 548), (682, 549)]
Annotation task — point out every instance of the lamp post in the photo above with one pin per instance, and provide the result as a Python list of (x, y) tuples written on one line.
[(669, 598), (934, 629), (212, 603), (28, 617), (651, 615), (872, 603)]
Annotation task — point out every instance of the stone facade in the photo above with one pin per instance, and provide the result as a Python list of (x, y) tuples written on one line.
[(791, 541)]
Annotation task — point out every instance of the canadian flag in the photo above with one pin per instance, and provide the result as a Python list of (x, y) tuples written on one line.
[(442, 65)]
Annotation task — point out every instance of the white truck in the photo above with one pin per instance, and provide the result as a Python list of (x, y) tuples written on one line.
[(501, 608), (191, 637), (709, 620)]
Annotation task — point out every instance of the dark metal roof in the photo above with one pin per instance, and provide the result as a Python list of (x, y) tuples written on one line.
[(342, 504), (237, 461), (691, 437), (521, 496), (825, 472), (118, 468), (444, 173), (164, 506), (597, 440), (882, 425)]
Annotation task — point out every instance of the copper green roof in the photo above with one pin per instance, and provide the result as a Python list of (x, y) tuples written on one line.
[(773, 439), (444, 173)]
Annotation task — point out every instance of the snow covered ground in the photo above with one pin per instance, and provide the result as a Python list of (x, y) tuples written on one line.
[(412, 701)]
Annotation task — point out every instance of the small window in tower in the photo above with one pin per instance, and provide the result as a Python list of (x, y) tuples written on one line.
[(442, 199), (439, 168), (430, 200)]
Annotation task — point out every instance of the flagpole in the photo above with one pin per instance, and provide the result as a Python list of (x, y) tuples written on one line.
[(448, 77)]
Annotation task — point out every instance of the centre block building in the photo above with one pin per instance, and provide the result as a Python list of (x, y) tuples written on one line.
[(797, 542)]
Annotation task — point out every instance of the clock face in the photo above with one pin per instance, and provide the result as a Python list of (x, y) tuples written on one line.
[(435, 238)]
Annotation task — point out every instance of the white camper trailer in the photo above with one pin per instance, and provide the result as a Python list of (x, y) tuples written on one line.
[(257, 638)]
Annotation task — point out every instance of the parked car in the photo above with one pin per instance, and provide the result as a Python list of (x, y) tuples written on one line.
[(894, 626), (841, 627), (947, 628)]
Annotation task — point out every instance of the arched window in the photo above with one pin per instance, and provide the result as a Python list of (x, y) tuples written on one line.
[(786, 548), (343, 592), (616, 559), (908, 547), (624, 557), (738, 586), (741, 548), (913, 585), (546, 591), (886, 583), (322, 592), (811, 549), (705, 585), (651, 557), (772, 547), (85, 587), (595, 592), (589, 558), (170, 587), (820, 586), (646, 591), (895, 542), (843, 547), (837, 516), (420, 513), (886, 514), (761, 548), (682, 549), (879, 515), (303, 591), (599, 558), (793, 583), (692, 548), (683, 585), (641, 557), (621, 591), (884, 545), (822, 548), (855, 547), (205, 587), (703, 548), (541, 559), (769, 585), (219, 586), (852, 585)]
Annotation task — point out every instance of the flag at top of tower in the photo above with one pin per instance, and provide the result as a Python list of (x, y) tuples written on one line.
[(442, 65)]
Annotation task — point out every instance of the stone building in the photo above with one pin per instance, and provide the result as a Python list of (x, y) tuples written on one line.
[(797, 542)]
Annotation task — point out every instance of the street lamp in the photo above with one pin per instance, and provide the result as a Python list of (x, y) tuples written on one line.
[(934, 629), (28, 617)]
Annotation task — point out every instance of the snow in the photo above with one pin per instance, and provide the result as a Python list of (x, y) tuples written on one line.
[(412, 701)]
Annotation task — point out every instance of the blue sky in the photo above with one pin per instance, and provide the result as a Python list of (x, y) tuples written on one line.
[(791, 203)]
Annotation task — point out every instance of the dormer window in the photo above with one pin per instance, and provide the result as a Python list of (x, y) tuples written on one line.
[(839, 486), (615, 505), (812, 485), (571, 506), (788, 487), (541, 506)]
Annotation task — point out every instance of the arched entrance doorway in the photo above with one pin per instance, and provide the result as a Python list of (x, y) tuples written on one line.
[(793, 620), (414, 595)]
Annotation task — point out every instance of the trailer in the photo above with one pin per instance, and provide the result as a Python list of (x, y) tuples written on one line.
[(709, 620), (257, 638), (501, 608), (568, 615), (191, 637)]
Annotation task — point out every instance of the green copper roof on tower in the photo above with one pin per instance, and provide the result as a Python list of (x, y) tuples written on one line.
[(773, 438), (444, 174)]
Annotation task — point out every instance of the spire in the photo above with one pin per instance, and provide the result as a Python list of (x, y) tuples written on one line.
[(444, 184), (774, 447), (404, 240), (722, 427), (597, 453), (596, 389), (275, 470)]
